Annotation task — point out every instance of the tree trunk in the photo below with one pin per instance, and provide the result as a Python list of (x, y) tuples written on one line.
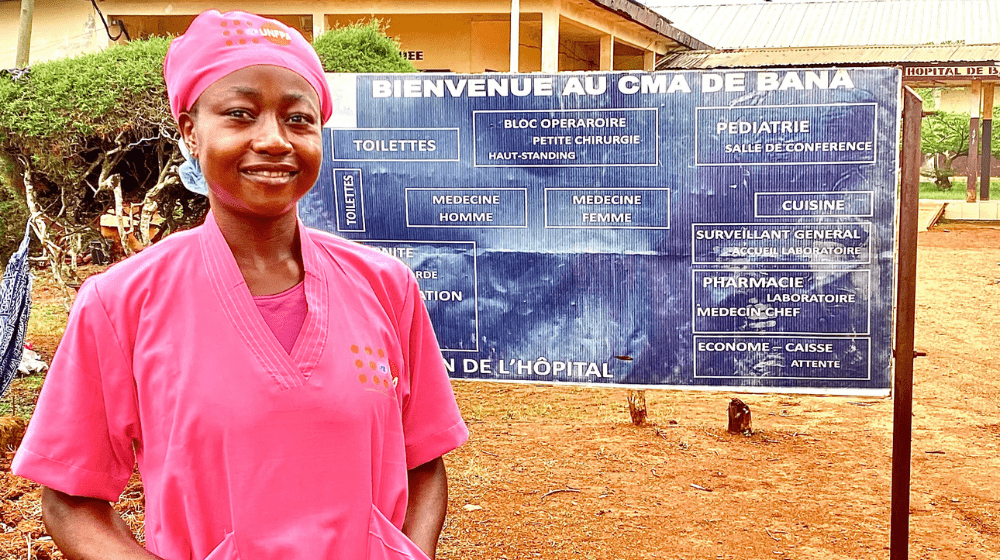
[(167, 176), (941, 178), (55, 253), (115, 182)]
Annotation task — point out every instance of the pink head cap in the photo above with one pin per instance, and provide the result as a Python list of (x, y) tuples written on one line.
[(219, 44)]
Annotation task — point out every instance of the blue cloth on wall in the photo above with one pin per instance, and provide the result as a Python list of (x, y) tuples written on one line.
[(15, 307)]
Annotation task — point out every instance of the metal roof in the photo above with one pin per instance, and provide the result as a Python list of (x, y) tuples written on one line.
[(632, 10), (837, 23), (825, 56)]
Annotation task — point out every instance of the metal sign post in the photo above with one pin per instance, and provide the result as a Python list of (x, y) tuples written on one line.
[(902, 422)]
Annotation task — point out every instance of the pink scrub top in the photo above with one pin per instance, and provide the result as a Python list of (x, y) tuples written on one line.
[(246, 450)]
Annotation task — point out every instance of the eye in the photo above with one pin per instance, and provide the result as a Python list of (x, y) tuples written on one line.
[(241, 114), (301, 118)]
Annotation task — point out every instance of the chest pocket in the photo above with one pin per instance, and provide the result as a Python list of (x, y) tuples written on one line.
[(386, 542)]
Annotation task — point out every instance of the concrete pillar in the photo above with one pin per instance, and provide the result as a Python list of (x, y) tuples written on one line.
[(972, 164), (649, 61), (607, 53), (550, 40), (515, 35), (319, 25)]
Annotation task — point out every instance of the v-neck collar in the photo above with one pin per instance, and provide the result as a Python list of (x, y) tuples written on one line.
[(287, 370)]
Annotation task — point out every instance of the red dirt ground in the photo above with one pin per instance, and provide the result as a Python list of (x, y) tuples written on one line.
[(560, 472)]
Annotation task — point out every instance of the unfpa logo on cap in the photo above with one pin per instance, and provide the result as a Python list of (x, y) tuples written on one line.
[(275, 34)]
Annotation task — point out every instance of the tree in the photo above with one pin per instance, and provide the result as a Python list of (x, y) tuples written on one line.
[(83, 134), (944, 136)]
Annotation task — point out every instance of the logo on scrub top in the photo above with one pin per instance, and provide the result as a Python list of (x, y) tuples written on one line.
[(375, 371), (241, 32)]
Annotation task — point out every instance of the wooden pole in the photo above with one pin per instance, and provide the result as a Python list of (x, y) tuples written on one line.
[(24, 33), (972, 163), (986, 156), (515, 35), (906, 295)]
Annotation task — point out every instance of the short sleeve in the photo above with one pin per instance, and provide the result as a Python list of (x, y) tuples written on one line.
[(432, 423), (80, 438)]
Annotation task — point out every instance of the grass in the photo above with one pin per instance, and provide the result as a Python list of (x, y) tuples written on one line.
[(928, 190), (525, 412), (48, 319), (20, 398), (45, 327), (473, 473), (522, 403), (48, 311)]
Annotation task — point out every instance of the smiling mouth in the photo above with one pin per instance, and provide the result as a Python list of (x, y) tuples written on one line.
[(270, 174)]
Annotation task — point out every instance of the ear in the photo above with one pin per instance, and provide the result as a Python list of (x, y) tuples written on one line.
[(186, 126)]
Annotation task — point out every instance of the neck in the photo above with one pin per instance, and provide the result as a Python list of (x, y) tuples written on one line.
[(267, 250), (255, 237)]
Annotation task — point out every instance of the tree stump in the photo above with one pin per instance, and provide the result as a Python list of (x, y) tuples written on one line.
[(637, 407), (739, 417)]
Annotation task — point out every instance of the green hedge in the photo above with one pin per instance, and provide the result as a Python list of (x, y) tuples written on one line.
[(67, 117), (361, 47), (64, 117), (67, 109)]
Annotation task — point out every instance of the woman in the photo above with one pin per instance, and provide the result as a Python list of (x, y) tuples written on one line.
[(280, 388)]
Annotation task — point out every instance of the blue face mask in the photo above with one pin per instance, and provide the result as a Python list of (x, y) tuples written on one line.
[(190, 172)]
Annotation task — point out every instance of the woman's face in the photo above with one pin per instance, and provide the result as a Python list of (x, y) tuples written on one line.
[(257, 135)]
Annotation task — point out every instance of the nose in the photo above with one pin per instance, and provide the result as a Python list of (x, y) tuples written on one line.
[(271, 137)]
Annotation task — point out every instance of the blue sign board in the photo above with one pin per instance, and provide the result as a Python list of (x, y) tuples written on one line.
[(709, 230)]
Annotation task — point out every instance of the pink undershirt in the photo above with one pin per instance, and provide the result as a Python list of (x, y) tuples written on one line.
[(285, 313)]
